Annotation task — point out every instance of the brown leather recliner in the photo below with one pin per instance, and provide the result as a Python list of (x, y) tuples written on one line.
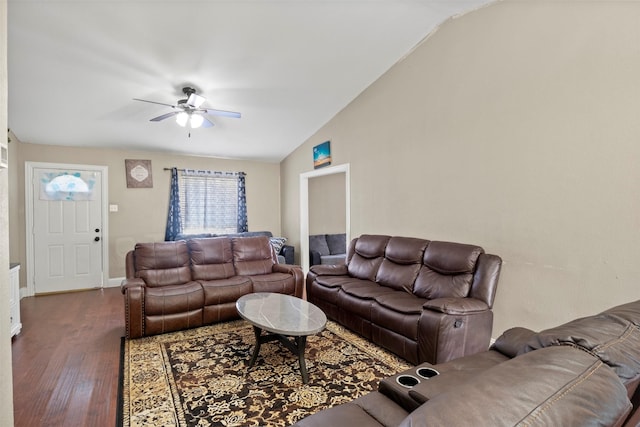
[(185, 284)]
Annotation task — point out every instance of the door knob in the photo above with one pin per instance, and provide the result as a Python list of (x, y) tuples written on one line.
[(97, 239)]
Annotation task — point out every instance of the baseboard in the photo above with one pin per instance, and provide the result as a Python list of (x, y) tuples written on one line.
[(114, 282)]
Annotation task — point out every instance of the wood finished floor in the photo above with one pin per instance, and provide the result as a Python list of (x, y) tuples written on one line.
[(66, 359)]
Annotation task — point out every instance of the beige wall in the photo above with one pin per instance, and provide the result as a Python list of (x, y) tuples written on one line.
[(327, 204), (142, 212), (514, 127), (6, 379)]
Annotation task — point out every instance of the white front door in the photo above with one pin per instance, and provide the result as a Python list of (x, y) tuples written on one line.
[(67, 229)]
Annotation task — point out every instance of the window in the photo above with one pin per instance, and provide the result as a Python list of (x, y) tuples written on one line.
[(212, 202)]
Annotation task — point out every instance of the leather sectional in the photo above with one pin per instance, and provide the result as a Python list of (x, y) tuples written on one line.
[(426, 301), (582, 373), (183, 284)]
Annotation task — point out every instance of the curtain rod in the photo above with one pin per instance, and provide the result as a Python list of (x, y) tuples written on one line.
[(183, 170)]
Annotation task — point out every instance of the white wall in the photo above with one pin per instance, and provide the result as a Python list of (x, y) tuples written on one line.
[(514, 127)]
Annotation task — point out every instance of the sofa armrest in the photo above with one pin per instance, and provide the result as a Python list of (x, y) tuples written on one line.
[(288, 252), (314, 258), (130, 283), (329, 270), (456, 306), (133, 290), (296, 272)]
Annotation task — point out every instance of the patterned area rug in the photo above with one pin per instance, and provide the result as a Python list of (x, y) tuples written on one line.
[(200, 377)]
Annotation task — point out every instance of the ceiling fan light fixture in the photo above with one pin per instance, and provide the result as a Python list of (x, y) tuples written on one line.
[(195, 100), (196, 120), (182, 119)]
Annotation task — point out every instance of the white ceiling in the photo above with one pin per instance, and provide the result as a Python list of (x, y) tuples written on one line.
[(288, 66)]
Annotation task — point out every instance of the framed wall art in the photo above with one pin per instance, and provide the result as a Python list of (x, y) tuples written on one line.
[(322, 155), (138, 173)]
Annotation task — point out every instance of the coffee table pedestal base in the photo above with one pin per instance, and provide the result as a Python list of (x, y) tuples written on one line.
[(295, 344)]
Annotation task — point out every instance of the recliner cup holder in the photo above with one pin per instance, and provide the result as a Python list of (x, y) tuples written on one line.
[(426, 373), (407, 381)]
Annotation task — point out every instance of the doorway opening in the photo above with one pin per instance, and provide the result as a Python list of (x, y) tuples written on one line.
[(304, 207)]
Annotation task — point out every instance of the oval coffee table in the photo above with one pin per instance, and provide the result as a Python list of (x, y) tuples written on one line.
[(285, 318)]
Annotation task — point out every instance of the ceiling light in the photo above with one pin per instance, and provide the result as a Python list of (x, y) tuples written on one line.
[(195, 100), (182, 119), (196, 120)]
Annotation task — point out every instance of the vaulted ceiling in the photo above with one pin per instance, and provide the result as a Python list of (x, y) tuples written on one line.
[(288, 66)]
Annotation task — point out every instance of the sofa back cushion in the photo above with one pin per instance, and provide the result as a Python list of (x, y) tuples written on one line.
[(162, 263), (337, 243), (610, 336), (318, 243), (447, 270), (367, 256), (252, 255), (211, 259), (401, 263)]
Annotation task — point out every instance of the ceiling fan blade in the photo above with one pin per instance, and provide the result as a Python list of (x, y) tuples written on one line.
[(164, 116), (206, 123), (222, 113), (154, 102)]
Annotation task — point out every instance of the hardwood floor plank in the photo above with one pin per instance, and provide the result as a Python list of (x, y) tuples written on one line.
[(66, 359)]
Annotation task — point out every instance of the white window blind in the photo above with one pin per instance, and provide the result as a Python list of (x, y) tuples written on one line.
[(208, 202)]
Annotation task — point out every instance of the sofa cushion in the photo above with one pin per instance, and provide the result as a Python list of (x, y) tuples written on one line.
[(162, 263), (211, 258), (225, 290), (282, 283), (629, 312), (431, 285), (367, 257), (401, 263), (318, 243), (448, 270), (405, 250), (365, 289), (334, 281), (401, 302), (252, 255), (451, 258), (337, 243), (173, 299), (338, 259), (611, 338)]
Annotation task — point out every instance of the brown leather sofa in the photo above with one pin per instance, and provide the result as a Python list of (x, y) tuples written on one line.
[(183, 284), (582, 373), (426, 301)]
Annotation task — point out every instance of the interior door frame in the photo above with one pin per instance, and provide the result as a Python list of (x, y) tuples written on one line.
[(304, 207), (28, 200)]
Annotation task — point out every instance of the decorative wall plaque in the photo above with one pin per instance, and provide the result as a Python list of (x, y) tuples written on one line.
[(138, 173)]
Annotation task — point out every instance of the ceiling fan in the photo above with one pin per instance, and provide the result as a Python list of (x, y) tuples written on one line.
[(189, 110)]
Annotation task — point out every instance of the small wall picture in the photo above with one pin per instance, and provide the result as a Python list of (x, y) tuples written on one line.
[(322, 155), (138, 173)]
